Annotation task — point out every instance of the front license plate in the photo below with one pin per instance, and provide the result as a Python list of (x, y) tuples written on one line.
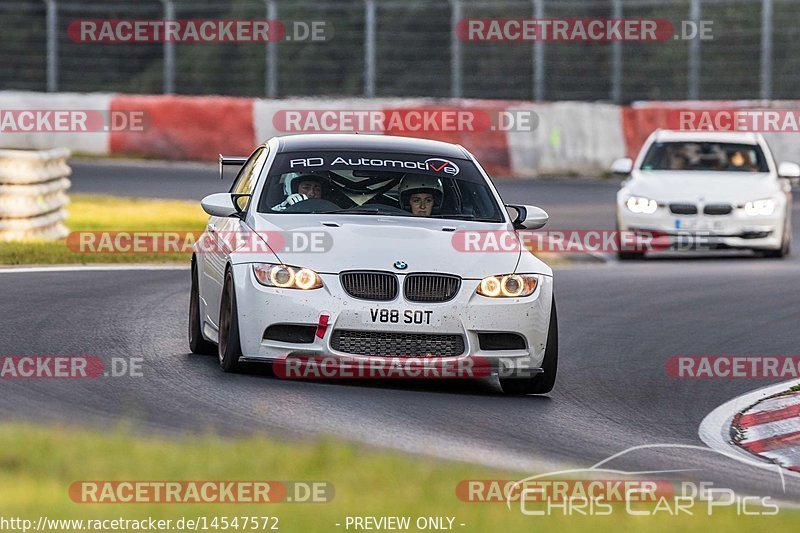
[(409, 317), (699, 224)]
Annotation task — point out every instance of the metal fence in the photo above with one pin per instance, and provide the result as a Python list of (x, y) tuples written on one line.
[(409, 48)]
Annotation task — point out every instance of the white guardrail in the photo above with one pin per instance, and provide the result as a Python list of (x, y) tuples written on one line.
[(33, 195)]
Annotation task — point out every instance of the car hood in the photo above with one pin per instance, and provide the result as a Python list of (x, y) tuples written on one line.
[(699, 186), (355, 242)]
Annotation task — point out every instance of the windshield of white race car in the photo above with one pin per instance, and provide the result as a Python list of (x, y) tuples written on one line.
[(370, 183), (720, 156)]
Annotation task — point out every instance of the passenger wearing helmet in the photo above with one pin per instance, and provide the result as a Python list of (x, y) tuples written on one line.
[(420, 194), (303, 187)]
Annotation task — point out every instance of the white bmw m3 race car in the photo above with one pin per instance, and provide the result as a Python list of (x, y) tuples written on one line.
[(345, 246), (707, 190)]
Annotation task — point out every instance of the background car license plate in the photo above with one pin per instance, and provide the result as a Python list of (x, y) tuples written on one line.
[(409, 317), (699, 224)]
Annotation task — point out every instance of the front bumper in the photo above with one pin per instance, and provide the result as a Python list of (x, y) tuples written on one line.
[(705, 232), (468, 314)]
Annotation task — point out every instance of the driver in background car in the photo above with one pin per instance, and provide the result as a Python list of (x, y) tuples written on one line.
[(741, 160), (304, 187), (420, 194)]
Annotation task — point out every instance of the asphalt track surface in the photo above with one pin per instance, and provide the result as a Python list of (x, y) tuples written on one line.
[(619, 323)]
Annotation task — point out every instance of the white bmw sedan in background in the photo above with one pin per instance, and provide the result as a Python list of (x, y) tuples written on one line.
[(385, 278), (707, 190)]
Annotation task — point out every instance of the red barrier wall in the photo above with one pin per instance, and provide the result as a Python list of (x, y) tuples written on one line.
[(186, 127)]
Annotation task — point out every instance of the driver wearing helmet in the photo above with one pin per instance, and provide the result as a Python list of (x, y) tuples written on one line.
[(303, 187), (420, 194)]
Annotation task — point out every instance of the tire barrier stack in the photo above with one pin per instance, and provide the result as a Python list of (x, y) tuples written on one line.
[(33, 195)]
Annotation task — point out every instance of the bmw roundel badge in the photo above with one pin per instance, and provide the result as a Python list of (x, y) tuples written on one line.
[(400, 265)]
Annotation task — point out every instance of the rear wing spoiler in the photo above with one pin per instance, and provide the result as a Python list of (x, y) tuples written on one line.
[(225, 160)]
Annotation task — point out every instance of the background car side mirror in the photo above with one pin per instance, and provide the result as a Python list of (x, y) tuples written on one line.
[(622, 166), (528, 216), (219, 205), (789, 170)]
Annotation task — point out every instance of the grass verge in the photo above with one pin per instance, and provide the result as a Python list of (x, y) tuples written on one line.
[(112, 213), (37, 466), (109, 213)]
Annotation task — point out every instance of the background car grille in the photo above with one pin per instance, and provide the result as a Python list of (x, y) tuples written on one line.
[(683, 209), (718, 209), (380, 286), (396, 344), (431, 287)]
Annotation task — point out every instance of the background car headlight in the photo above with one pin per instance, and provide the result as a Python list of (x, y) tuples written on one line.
[(645, 206), (508, 286), (287, 277), (763, 207)]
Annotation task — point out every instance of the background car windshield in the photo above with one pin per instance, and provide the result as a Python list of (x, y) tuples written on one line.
[(377, 184), (705, 156)]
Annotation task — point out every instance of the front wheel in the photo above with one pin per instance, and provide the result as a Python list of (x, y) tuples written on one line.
[(230, 348), (544, 382), (786, 245)]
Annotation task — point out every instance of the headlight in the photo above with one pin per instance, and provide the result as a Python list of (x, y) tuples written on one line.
[(287, 277), (645, 206), (508, 286), (760, 207)]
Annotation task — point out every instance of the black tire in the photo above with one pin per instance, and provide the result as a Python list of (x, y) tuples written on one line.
[(230, 349), (626, 255), (630, 256), (784, 250), (544, 382), (197, 343)]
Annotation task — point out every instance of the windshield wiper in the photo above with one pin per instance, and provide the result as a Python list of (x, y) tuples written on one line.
[(361, 211), (465, 217), (379, 211), (457, 217)]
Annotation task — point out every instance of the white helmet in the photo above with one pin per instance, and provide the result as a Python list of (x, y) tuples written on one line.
[(414, 183), (292, 181)]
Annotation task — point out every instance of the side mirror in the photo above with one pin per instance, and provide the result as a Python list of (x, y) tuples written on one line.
[(219, 205), (789, 170), (622, 166), (528, 216)]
